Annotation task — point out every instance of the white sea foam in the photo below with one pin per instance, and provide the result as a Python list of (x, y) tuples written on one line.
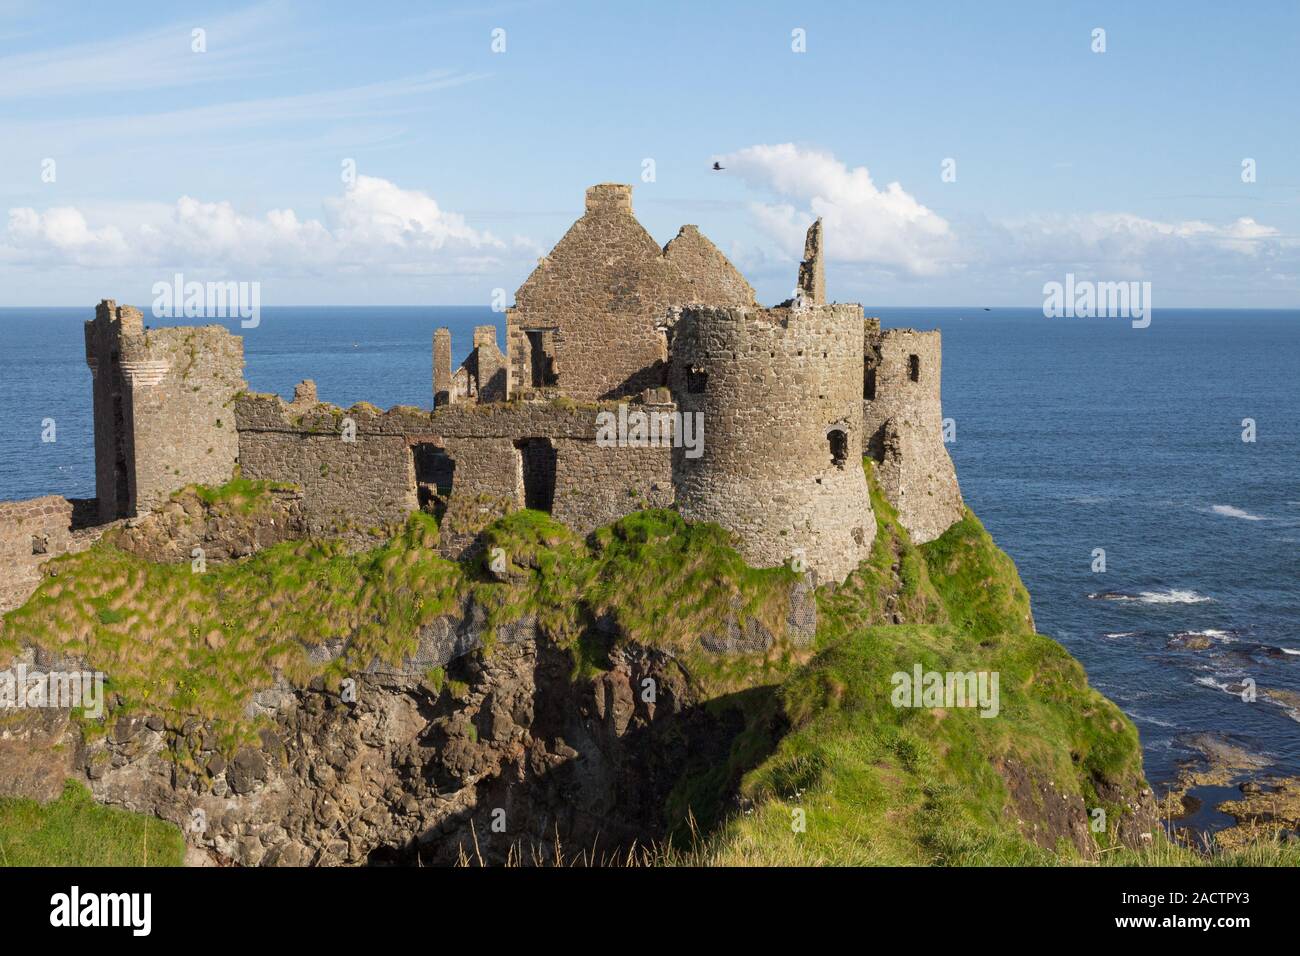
[(1166, 596), (1122, 634), (1208, 681), (1226, 637), (1171, 596), (1287, 650), (1228, 511), (1144, 719)]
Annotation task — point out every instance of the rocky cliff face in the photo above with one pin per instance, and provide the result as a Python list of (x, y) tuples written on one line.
[(490, 731), (506, 756)]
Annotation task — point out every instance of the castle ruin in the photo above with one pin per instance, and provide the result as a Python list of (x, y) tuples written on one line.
[(788, 398)]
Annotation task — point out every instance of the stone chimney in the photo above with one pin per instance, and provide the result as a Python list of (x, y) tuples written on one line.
[(442, 372), (610, 197)]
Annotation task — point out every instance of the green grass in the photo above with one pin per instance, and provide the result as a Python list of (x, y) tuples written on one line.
[(239, 494), (874, 783), (879, 784), (180, 644), (882, 784), (74, 830)]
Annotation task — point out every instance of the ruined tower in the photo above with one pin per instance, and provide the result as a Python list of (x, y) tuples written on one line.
[(779, 392), (904, 428), (163, 401)]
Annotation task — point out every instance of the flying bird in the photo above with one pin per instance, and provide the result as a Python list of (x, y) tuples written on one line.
[(718, 166)]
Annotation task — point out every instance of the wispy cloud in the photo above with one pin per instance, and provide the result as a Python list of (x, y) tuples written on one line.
[(367, 101), (157, 59)]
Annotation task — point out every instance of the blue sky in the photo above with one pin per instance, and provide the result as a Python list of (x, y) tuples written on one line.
[(228, 163)]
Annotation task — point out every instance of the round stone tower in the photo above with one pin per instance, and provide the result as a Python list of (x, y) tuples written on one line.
[(778, 393)]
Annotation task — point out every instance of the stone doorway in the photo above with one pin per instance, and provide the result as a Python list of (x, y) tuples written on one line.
[(537, 464)]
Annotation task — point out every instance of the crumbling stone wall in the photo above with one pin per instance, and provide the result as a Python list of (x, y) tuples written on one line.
[(359, 487), (349, 487), (163, 402), (31, 532), (903, 432), (812, 270), (484, 376), (780, 394), (598, 302)]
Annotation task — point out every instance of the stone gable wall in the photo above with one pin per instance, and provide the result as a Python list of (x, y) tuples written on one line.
[(605, 290)]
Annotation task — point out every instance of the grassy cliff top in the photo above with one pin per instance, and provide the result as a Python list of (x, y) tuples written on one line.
[(827, 770)]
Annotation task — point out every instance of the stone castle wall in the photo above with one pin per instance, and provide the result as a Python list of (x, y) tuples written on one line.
[(31, 532), (780, 392), (373, 482), (183, 387), (903, 432), (597, 304), (789, 397), (164, 414)]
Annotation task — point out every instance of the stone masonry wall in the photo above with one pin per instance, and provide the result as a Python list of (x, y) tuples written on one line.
[(595, 485), (904, 430), (183, 385), (355, 488), (604, 292), (163, 407), (780, 391), (31, 532)]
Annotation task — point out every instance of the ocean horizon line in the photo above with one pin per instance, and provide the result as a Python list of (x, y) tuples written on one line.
[(866, 308)]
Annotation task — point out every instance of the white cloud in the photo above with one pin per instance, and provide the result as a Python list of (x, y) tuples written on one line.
[(375, 225), (61, 232), (1126, 244), (376, 212), (882, 227), (885, 233)]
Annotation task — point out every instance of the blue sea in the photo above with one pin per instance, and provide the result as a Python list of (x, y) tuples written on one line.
[(1071, 435)]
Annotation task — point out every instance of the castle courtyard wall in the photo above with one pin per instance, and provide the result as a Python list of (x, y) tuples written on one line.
[(355, 488)]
